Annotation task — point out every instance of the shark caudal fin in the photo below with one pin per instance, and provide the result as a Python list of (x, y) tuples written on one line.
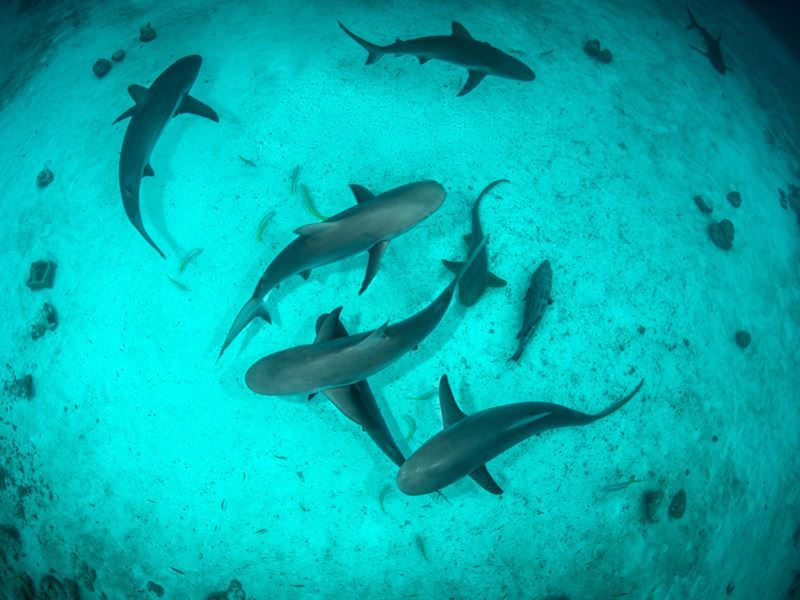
[(375, 51), (452, 414), (693, 24), (619, 403), (252, 309)]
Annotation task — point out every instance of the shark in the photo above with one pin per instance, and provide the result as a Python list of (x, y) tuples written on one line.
[(475, 281), (459, 48), (344, 361), (356, 401), (537, 299), (713, 49), (366, 227), (154, 107), (468, 442)]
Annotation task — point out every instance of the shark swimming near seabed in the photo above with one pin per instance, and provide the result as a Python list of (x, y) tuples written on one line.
[(459, 48), (478, 277), (167, 97), (468, 442), (343, 361), (367, 226), (537, 299), (356, 401), (713, 51)]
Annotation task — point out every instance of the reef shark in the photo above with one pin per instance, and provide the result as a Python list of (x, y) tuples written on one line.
[(343, 361), (459, 48), (537, 299), (368, 226), (713, 50), (478, 277), (468, 442), (167, 97), (356, 401)]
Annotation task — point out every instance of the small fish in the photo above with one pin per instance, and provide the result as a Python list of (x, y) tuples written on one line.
[(297, 585), (260, 531), (426, 396), (178, 571), (382, 496), (412, 426), (222, 504), (178, 284), (247, 161), (309, 202), (421, 547), (295, 177), (547, 52), (301, 476), (262, 225), (280, 456), (189, 258), (615, 487)]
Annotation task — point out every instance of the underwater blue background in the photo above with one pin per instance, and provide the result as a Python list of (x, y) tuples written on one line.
[(143, 460)]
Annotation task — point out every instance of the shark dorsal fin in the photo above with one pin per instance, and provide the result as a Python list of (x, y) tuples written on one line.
[(460, 32), (451, 414), (326, 325), (137, 92), (361, 193)]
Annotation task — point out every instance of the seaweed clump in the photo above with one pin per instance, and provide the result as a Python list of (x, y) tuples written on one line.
[(235, 591), (101, 67), (147, 33)]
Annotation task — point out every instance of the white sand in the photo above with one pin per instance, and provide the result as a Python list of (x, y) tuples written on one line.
[(140, 436)]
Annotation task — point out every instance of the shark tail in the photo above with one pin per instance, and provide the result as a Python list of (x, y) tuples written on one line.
[(693, 24), (130, 202), (619, 403), (375, 51), (252, 309)]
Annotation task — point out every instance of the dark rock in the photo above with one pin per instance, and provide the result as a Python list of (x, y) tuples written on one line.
[(101, 67), (21, 387), (235, 591), (48, 321), (44, 178), (604, 56), (677, 506), (735, 198), (592, 48), (158, 590), (42, 275), (147, 33), (652, 500), (705, 207), (743, 339), (729, 588), (87, 576), (118, 55), (721, 234)]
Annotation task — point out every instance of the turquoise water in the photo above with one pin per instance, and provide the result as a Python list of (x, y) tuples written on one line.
[(143, 467)]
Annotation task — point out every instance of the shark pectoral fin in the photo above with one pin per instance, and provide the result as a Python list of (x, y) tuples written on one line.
[(361, 193), (494, 281), (305, 274), (460, 32), (475, 77), (374, 263), (311, 395), (483, 478), (453, 266), (423, 59), (450, 412), (148, 171), (313, 228), (195, 107), (695, 48), (128, 113)]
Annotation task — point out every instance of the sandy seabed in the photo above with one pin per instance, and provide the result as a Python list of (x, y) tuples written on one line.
[(142, 460)]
